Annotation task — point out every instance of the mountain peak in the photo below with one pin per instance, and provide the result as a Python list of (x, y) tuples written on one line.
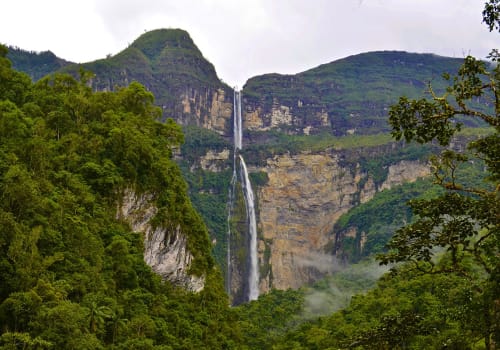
[(152, 43)]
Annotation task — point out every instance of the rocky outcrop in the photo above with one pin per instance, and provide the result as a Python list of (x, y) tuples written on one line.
[(207, 108), (404, 171), (347, 96), (165, 248), (304, 196), (214, 161), (260, 117)]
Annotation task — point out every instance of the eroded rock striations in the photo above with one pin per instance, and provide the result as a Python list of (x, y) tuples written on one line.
[(165, 248), (304, 196)]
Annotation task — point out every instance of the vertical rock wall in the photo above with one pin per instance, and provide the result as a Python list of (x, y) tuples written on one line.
[(165, 248), (304, 197)]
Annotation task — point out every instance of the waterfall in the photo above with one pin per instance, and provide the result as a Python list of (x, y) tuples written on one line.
[(238, 127), (253, 275), (253, 268)]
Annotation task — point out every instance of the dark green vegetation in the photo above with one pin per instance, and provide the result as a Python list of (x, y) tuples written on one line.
[(407, 311), (376, 221), (208, 190), (35, 64), (72, 275)]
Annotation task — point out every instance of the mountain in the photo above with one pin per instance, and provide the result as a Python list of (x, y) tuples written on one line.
[(316, 145), (348, 96), (35, 64), (91, 196), (170, 65)]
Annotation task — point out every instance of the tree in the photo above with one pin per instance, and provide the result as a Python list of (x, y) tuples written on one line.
[(491, 14), (459, 231), (72, 273)]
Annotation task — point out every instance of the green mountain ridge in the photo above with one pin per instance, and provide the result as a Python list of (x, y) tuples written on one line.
[(167, 62), (354, 91), (35, 64)]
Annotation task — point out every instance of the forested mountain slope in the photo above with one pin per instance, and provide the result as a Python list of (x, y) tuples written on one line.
[(35, 64), (72, 269)]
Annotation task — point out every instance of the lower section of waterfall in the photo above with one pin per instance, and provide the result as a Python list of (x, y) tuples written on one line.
[(246, 277), (253, 275)]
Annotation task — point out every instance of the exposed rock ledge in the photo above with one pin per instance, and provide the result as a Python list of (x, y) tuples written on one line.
[(165, 249), (304, 196)]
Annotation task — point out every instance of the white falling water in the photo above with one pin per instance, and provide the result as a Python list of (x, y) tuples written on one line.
[(253, 275), (238, 127), (237, 137)]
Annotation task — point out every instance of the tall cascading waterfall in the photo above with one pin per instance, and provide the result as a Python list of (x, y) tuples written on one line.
[(253, 275), (253, 268), (237, 140)]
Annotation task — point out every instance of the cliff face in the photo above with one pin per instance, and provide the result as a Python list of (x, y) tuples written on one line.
[(165, 249), (206, 108), (168, 63), (262, 117), (304, 197), (347, 96)]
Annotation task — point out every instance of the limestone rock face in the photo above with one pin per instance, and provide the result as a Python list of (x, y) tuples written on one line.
[(207, 108), (405, 171), (214, 161), (304, 196), (165, 249), (259, 117)]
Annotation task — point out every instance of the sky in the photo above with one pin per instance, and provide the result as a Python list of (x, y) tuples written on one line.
[(245, 38)]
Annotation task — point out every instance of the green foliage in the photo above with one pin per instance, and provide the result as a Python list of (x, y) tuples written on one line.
[(73, 275), (491, 14), (258, 179), (404, 311), (376, 220), (461, 227), (198, 141), (208, 190), (35, 64), (264, 320)]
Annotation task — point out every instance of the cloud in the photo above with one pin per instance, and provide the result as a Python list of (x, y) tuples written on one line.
[(335, 291), (324, 263), (245, 38)]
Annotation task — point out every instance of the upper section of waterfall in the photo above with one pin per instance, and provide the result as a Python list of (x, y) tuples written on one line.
[(238, 125)]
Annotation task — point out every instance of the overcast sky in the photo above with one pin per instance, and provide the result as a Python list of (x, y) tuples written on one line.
[(244, 38)]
